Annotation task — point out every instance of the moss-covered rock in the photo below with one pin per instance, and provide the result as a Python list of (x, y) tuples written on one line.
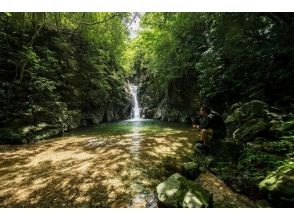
[(177, 191), (250, 130), (254, 109), (279, 184), (191, 170), (240, 114)]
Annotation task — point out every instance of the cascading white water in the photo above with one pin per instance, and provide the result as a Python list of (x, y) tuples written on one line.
[(135, 107)]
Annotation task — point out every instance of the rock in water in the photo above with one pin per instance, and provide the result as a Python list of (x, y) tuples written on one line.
[(177, 192)]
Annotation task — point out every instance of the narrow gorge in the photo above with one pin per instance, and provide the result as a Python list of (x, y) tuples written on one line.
[(97, 109)]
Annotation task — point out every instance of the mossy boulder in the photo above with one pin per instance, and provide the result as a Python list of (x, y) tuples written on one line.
[(251, 129), (254, 109), (280, 185), (177, 191), (240, 114), (191, 170), (264, 138)]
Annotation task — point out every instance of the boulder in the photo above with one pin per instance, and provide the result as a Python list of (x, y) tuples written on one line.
[(279, 185), (242, 114), (250, 130), (254, 109), (191, 170), (177, 191)]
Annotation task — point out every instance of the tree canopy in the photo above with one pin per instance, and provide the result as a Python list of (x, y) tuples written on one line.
[(228, 56)]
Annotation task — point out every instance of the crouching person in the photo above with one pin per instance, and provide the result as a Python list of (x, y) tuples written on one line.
[(212, 128)]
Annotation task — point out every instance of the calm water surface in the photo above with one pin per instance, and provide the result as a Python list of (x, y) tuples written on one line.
[(101, 166)]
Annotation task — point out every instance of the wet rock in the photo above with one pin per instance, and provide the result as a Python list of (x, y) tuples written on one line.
[(177, 191)]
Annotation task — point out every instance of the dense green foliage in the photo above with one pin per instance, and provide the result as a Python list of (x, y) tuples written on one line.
[(220, 58), (62, 69)]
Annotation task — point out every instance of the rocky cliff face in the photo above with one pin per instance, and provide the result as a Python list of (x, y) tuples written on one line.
[(175, 103), (51, 118)]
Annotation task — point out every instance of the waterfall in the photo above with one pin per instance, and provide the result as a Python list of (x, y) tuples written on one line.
[(135, 107)]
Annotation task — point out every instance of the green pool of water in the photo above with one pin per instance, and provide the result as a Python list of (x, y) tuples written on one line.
[(101, 166)]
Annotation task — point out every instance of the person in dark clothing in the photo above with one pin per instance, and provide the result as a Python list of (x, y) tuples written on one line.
[(212, 127)]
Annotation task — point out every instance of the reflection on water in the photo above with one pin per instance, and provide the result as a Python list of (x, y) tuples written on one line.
[(102, 166), (136, 138)]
